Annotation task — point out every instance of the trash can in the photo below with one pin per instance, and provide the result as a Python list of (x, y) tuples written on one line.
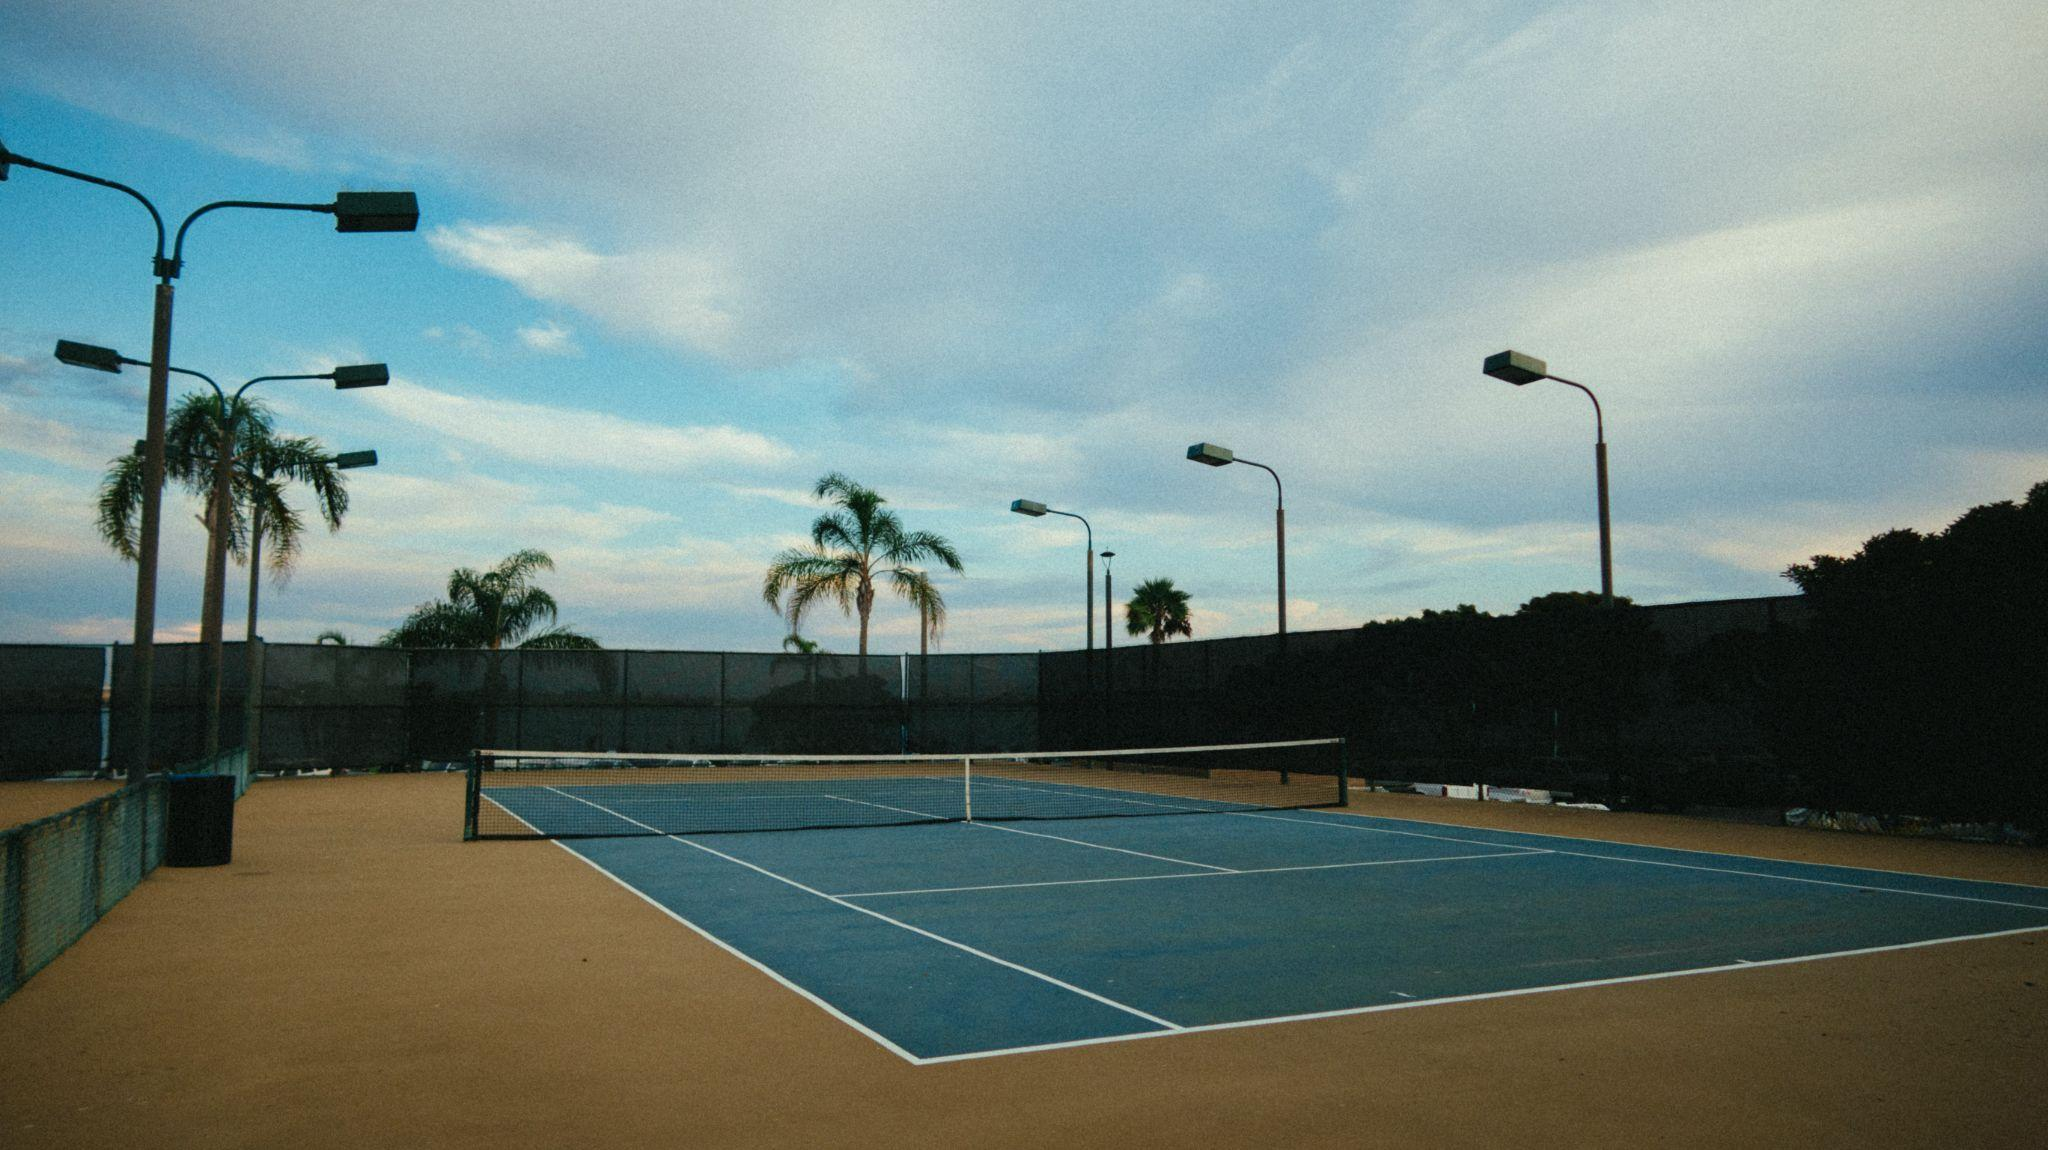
[(199, 820)]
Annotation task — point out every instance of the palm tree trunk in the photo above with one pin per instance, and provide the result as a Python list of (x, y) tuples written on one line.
[(864, 600), (252, 700), (215, 591)]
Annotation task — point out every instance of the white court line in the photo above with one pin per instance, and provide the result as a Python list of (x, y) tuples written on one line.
[(1094, 793), (1691, 851), (1041, 835), (1199, 874), (1675, 866), (749, 959), (515, 814), (1410, 1005), (1173, 1029), (1101, 847), (917, 930)]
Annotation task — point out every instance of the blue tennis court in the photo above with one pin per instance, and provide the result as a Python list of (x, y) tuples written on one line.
[(954, 940)]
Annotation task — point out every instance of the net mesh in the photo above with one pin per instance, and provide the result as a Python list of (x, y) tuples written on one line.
[(538, 794)]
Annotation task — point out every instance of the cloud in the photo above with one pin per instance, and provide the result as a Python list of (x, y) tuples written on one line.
[(65, 443), (462, 335), (533, 433), (673, 294), (971, 253), (549, 338)]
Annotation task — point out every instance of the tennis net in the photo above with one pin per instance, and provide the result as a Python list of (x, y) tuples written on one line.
[(559, 794)]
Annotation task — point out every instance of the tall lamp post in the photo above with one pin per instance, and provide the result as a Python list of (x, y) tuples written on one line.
[(1216, 456), (1108, 604), (1035, 509), (252, 655), (352, 212), (1519, 369), (218, 511)]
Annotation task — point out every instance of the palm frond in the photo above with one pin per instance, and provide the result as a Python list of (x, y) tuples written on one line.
[(918, 589), (518, 613), (120, 504), (435, 625), (833, 586), (561, 639), (923, 547)]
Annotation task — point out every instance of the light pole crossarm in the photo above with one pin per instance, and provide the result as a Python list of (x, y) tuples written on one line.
[(268, 378), (1599, 426), (1084, 524), (7, 157), (1279, 491), (168, 269)]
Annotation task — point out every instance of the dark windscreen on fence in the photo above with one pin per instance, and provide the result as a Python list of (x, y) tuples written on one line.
[(1663, 705), (50, 709), (332, 706)]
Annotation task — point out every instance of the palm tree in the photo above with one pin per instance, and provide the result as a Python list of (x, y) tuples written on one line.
[(931, 608), (192, 437), (850, 548), (1159, 608), (797, 644), (491, 609), (335, 638)]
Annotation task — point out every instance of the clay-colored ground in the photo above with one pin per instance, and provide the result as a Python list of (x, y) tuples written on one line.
[(359, 977), (27, 802)]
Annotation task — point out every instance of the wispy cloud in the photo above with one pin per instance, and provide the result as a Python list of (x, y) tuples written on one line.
[(533, 433), (549, 338)]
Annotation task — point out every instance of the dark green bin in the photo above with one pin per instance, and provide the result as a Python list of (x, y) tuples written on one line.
[(199, 821)]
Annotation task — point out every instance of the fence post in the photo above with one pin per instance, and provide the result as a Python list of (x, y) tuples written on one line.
[(11, 933)]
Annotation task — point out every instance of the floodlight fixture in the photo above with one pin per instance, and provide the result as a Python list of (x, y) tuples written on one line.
[(352, 212), (360, 375), (1035, 509), (1216, 455), (376, 212), (92, 356), (349, 460), (1519, 369), (1515, 367)]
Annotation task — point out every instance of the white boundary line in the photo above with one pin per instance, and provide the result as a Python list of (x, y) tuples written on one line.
[(875, 914), (1103, 847), (1685, 850), (1175, 1029), (749, 959), (1408, 1005), (1677, 866), (1200, 874), (1035, 834)]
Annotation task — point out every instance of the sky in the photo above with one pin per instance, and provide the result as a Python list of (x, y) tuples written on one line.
[(676, 261)]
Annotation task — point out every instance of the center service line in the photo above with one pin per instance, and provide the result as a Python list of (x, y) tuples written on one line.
[(986, 825), (917, 930)]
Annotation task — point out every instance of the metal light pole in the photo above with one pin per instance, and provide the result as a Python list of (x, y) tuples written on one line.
[(218, 515), (1036, 509), (352, 212), (1519, 369), (252, 654), (1108, 604), (1216, 456)]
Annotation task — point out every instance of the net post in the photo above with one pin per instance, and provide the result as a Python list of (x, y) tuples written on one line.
[(1343, 773), (967, 784), (472, 792)]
